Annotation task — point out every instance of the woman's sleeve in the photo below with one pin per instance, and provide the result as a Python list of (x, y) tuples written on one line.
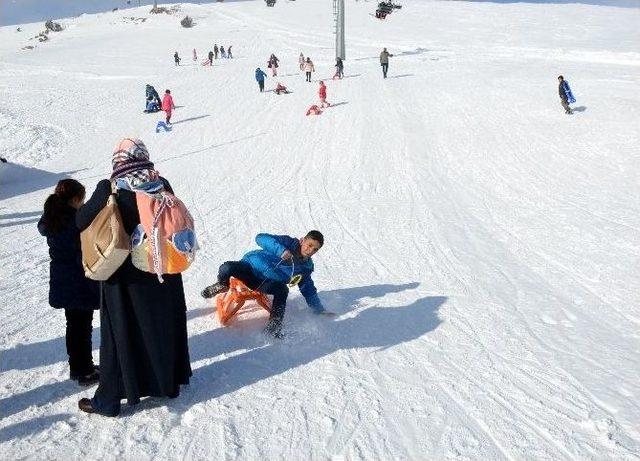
[(87, 213)]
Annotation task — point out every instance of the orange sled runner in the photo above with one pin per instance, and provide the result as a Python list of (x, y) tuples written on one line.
[(229, 303)]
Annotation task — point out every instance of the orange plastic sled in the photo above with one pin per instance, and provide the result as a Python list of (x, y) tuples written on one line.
[(229, 303)]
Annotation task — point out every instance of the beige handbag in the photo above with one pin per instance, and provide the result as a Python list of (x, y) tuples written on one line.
[(105, 243)]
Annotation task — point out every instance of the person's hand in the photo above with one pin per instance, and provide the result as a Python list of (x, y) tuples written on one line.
[(286, 255)]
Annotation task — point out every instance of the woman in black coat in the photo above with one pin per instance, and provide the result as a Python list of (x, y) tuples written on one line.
[(143, 348), (68, 287)]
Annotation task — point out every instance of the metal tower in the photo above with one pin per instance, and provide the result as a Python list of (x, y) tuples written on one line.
[(338, 16)]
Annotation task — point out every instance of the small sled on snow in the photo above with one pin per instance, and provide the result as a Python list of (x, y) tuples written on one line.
[(231, 301)]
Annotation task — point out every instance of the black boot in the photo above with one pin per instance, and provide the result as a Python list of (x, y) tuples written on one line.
[(90, 379), (213, 290), (274, 328), (89, 406)]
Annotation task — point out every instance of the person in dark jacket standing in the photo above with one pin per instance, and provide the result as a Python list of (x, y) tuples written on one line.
[(260, 76), (176, 58), (384, 61), (566, 96), (143, 323), (339, 68), (68, 287), (215, 50), (211, 58)]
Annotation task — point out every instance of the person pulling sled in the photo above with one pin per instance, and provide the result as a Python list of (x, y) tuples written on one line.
[(566, 97)]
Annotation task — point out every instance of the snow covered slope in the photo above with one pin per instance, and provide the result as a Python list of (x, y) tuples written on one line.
[(482, 248)]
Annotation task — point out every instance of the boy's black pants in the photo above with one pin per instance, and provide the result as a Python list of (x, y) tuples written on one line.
[(243, 271)]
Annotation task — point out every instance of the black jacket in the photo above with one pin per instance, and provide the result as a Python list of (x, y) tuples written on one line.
[(561, 92), (143, 324), (68, 287)]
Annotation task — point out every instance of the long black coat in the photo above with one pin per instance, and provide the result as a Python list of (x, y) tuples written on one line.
[(68, 287), (143, 347)]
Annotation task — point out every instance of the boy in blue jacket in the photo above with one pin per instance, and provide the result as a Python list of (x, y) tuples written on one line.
[(260, 76), (281, 261)]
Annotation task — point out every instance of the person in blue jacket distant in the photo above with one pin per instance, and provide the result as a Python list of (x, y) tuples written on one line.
[(566, 96), (282, 261), (260, 76)]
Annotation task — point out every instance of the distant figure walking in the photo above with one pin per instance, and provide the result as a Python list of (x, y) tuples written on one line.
[(215, 51), (272, 64), (260, 76), (308, 68), (195, 55), (210, 56), (339, 69), (322, 92), (223, 53), (176, 58), (229, 55), (301, 61), (168, 105), (566, 97), (384, 61)]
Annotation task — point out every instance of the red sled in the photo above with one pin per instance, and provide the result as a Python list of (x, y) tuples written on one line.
[(314, 110)]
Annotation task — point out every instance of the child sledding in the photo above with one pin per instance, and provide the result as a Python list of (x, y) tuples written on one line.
[(281, 89), (153, 103), (282, 262)]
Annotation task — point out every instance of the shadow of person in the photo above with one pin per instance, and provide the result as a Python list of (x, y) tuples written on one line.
[(19, 219), (310, 337), (341, 103), (244, 331), (39, 396), (579, 109), (401, 76), (18, 179), (189, 119), (31, 427), (38, 354)]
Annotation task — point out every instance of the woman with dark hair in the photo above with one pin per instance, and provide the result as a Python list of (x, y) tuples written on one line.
[(143, 322), (272, 64), (69, 289)]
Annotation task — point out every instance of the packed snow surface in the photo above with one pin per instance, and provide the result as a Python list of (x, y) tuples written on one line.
[(482, 247)]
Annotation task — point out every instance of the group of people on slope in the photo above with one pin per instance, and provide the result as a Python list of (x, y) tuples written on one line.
[(217, 51), (143, 336)]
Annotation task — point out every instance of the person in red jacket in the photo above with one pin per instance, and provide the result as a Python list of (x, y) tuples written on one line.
[(168, 105), (322, 92)]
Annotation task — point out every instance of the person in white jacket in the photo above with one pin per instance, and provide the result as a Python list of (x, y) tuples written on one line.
[(308, 68)]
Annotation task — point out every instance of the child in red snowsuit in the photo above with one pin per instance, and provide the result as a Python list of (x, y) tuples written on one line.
[(322, 92), (168, 105)]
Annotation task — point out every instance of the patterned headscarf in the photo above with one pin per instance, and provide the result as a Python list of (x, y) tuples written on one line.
[(131, 162)]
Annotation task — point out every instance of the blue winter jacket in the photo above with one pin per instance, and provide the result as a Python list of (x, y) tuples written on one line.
[(266, 263), (260, 75)]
